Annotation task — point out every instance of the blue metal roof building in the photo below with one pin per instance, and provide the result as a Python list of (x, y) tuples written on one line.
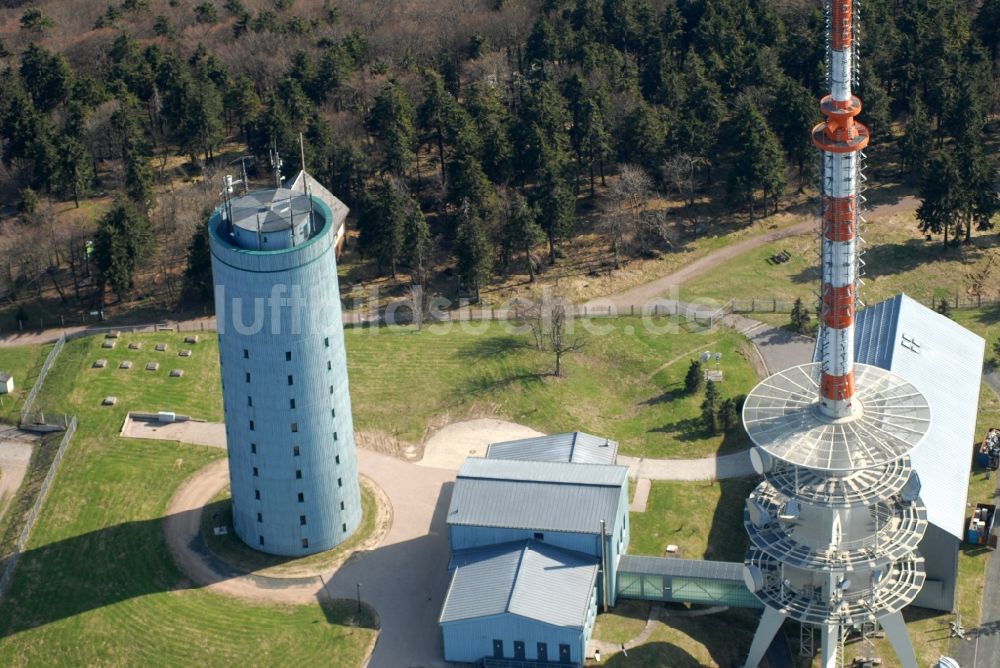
[(524, 600), (944, 361), (575, 447), (529, 562)]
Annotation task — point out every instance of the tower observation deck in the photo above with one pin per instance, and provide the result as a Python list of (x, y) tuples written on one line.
[(834, 526), (289, 431)]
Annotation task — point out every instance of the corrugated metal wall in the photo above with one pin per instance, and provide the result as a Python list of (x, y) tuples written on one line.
[(272, 304), (471, 640)]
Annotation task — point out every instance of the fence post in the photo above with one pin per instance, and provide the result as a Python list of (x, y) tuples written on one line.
[(774, 306), (632, 309)]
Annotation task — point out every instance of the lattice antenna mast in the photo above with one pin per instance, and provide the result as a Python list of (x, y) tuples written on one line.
[(835, 525)]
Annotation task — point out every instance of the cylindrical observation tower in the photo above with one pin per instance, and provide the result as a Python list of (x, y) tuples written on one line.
[(834, 526), (290, 436)]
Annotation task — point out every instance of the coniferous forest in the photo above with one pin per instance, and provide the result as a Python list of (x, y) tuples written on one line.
[(467, 136)]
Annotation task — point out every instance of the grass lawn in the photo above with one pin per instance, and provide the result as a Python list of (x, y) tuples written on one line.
[(703, 519), (897, 258), (718, 640), (626, 384), (24, 363), (97, 585)]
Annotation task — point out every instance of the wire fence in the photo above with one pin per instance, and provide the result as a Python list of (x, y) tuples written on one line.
[(26, 414), (29, 523), (778, 305)]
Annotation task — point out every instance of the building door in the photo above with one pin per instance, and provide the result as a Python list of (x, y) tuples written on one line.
[(519, 649), (564, 653), (543, 651), (497, 649)]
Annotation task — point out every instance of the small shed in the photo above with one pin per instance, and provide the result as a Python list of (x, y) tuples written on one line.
[(6, 382), (525, 600)]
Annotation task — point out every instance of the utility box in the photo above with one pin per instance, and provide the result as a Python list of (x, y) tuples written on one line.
[(6, 383)]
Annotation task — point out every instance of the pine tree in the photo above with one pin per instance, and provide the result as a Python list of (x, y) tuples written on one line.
[(520, 230), (555, 209), (710, 408), (941, 195), (472, 250), (792, 119), (729, 416), (695, 377), (800, 317), (437, 114), (122, 243), (75, 173), (382, 225), (391, 120), (417, 242), (917, 139), (491, 120), (758, 163), (47, 77), (198, 284)]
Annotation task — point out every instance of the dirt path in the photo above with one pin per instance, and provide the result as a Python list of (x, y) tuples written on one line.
[(654, 289)]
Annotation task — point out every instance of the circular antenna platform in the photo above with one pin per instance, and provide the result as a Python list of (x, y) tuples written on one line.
[(782, 417)]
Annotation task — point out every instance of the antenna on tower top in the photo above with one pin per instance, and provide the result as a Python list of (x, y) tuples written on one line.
[(302, 152), (275, 163)]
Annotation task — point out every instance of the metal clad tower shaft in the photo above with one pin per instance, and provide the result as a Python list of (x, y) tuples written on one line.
[(841, 138)]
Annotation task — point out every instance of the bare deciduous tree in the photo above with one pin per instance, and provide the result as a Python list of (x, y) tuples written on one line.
[(552, 328), (629, 196), (679, 171)]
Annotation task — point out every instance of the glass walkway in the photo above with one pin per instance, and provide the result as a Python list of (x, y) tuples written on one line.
[(684, 581)]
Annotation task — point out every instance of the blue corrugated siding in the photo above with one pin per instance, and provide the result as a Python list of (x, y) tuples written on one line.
[(471, 640), (325, 431)]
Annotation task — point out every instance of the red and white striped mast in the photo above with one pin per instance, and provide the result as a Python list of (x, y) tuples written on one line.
[(836, 523), (841, 138)]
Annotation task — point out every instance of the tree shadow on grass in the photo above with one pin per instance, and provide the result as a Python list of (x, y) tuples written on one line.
[(686, 430), (653, 655), (491, 347), (667, 397), (989, 315), (484, 384)]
